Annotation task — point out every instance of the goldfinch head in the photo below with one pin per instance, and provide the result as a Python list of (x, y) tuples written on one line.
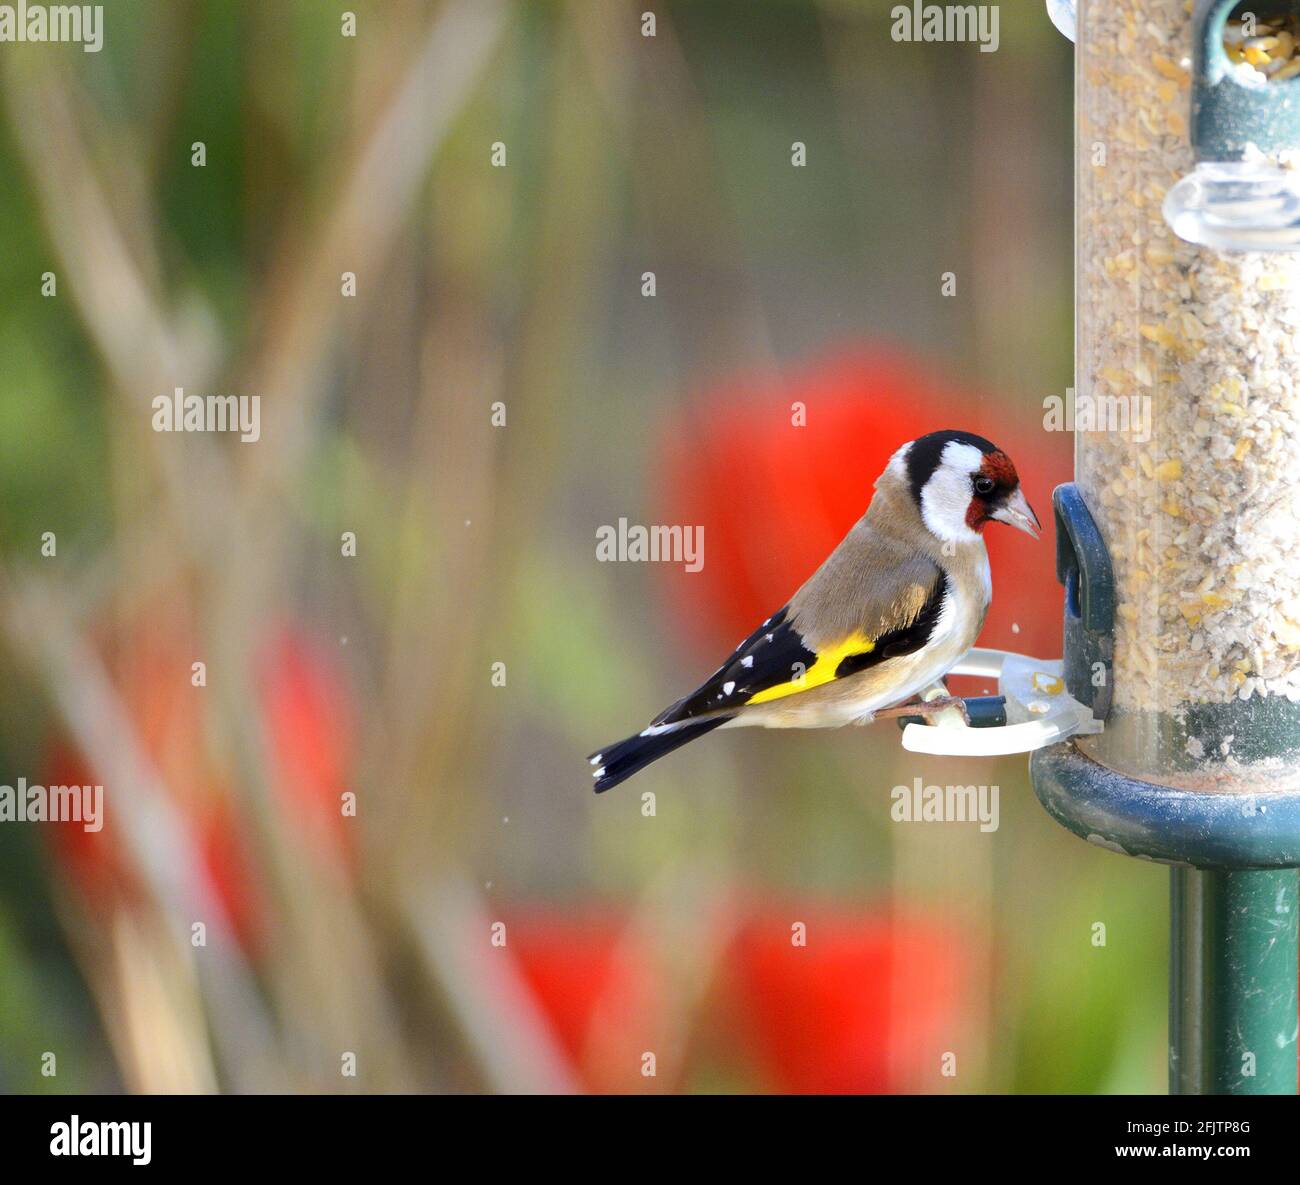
[(959, 482)]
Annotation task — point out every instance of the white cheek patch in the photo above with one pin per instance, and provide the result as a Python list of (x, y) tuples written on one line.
[(946, 497)]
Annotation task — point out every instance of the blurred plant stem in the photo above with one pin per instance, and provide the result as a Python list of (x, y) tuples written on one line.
[(41, 631), (225, 533)]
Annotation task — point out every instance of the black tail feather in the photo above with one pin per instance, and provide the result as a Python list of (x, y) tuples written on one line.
[(620, 761)]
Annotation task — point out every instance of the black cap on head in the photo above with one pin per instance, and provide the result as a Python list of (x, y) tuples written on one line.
[(924, 455)]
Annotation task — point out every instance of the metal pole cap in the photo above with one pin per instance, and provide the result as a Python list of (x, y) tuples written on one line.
[(1236, 105)]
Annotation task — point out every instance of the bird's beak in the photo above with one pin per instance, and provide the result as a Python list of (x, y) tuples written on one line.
[(1016, 512)]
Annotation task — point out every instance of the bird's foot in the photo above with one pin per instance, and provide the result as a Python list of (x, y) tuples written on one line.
[(926, 708)]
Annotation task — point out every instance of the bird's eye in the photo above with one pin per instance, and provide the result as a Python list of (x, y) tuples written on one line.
[(984, 485)]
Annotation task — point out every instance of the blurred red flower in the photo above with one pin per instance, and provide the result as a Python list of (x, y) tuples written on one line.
[(595, 981), (868, 1005), (93, 860), (100, 866), (775, 498), (308, 721), (310, 727)]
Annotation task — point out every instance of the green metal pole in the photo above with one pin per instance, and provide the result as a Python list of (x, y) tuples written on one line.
[(1234, 958)]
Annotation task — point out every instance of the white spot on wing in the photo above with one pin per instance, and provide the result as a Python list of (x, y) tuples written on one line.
[(747, 661), (728, 688)]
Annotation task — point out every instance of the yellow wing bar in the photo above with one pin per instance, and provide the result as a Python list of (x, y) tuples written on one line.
[(822, 670)]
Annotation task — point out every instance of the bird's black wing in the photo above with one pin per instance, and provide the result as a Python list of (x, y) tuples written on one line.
[(776, 660)]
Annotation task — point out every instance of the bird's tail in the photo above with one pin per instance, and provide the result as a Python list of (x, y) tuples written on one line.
[(620, 761)]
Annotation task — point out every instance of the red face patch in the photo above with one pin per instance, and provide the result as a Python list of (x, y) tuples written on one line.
[(997, 467)]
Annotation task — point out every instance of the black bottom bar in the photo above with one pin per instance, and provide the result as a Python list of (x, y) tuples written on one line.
[(438, 1133)]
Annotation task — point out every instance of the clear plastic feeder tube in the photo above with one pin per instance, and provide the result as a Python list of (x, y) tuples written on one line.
[(1187, 429)]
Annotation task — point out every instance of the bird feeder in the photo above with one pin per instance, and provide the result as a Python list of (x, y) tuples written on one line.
[(1170, 730), (1180, 538)]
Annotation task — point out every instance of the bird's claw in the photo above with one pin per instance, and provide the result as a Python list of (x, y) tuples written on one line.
[(927, 708), (950, 701)]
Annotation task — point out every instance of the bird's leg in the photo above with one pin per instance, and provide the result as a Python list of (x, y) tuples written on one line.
[(925, 708)]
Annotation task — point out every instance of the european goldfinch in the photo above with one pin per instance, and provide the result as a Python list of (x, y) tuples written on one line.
[(891, 610)]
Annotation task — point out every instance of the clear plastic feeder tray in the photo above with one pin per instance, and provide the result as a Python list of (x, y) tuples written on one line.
[(1237, 206)]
